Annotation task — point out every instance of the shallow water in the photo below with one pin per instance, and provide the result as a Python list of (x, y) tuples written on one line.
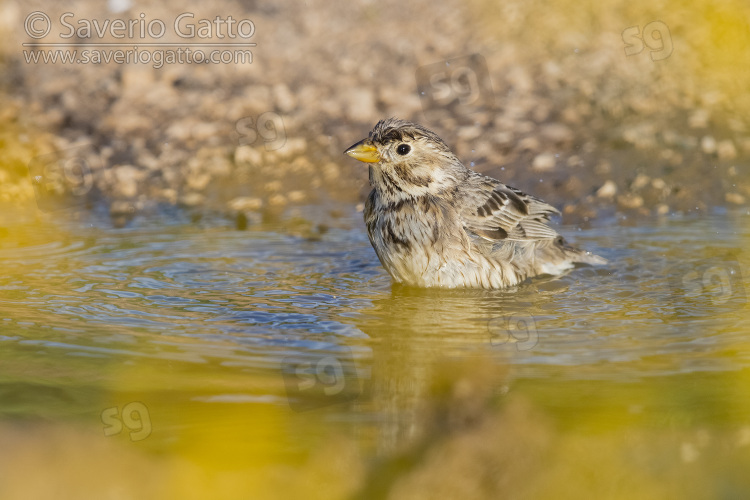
[(185, 348)]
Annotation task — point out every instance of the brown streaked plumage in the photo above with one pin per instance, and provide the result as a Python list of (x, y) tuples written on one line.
[(435, 223)]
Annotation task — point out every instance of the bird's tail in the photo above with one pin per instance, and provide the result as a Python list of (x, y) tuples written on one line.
[(578, 256), (584, 257), (557, 256)]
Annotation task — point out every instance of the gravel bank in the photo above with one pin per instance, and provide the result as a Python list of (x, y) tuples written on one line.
[(525, 92)]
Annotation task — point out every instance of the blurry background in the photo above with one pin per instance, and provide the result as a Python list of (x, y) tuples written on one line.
[(544, 89), (178, 239)]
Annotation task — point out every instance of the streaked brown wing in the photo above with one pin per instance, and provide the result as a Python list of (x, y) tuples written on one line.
[(497, 212)]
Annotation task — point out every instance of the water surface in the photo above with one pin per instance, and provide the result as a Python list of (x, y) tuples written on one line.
[(262, 362)]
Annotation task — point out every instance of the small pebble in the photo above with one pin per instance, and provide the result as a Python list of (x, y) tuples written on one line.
[(708, 145), (544, 162), (608, 190), (734, 198), (726, 150)]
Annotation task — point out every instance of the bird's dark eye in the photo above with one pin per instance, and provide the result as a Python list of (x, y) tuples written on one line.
[(403, 149)]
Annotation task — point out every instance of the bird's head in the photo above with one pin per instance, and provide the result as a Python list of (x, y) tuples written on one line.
[(407, 160)]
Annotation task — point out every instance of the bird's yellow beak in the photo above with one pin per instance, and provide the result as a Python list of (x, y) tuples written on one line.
[(364, 151)]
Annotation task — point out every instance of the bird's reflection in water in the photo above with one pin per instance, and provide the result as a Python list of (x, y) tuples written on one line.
[(419, 336)]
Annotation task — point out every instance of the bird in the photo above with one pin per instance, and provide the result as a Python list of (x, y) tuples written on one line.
[(435, 223)]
